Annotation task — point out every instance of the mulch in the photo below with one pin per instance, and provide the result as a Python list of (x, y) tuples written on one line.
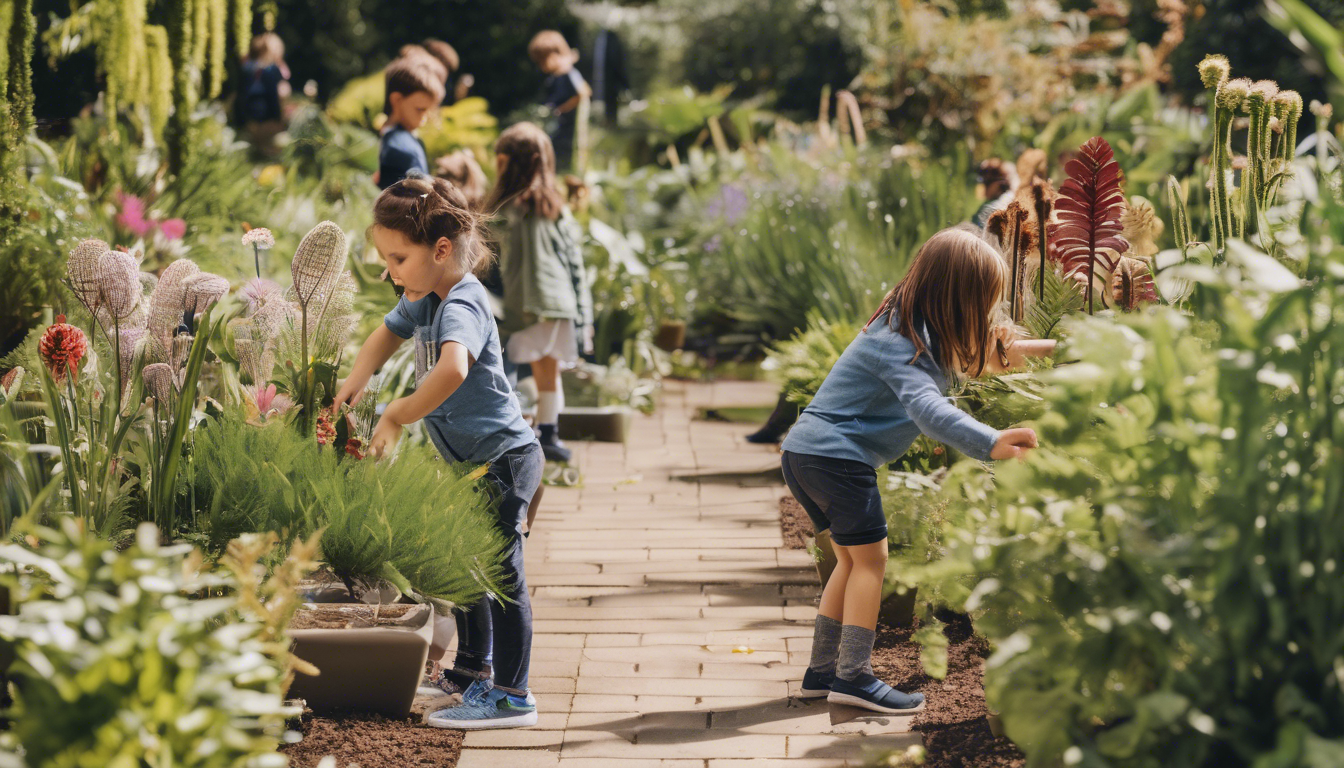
[(954, 722), (794, 522), (956, 731), (374, 741)]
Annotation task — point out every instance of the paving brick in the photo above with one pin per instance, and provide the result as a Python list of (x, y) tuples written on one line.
[(679, 744), (513, 758), (849, 747), (519, 738), (680, 687)]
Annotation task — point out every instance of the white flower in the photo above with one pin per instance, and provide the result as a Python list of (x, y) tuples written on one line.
[(260, 238)]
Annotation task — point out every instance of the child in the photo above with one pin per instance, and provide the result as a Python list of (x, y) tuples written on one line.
[(414, 87), (447, 56), (887, 388), (564, 89), (461, 168), (263, 85), (545, 289), (432, 245)]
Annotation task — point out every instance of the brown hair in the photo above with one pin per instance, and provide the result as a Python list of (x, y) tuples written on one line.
[(268, 48), (954, 286), (545, 43), (461, 168), (529, 178), (444, 53), (425, 210), (413, 74)]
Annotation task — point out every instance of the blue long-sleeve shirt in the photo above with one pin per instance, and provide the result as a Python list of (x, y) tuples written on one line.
[(875, 402)]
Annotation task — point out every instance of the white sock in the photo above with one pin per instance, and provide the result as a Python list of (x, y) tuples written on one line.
[(548, 407)]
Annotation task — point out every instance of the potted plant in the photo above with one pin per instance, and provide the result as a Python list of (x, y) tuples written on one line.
[(369, 657)]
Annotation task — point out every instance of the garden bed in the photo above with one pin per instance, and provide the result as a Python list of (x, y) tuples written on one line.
[(373, 741), (794, 523), (956, 731)]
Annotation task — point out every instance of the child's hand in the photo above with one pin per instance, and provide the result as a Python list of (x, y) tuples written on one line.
[(1014, 443), (350, 392), (385, 438)]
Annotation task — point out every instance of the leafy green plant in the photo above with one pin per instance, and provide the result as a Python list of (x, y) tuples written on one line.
[(1157, 578), (802, 363), (416, 521), (135, 657)]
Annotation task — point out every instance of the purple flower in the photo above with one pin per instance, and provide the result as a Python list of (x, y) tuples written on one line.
[(731, 204)]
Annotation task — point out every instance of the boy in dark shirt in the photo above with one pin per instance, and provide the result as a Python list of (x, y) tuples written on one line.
[(565, 88), (413, 89)]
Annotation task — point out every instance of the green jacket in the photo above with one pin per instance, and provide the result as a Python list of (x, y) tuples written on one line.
[(541, 263)]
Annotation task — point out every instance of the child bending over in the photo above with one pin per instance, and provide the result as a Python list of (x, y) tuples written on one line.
[(888, 387)]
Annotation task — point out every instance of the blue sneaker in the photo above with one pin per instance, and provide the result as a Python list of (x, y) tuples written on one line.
[(483, 707), (867, 692), (816, 685)]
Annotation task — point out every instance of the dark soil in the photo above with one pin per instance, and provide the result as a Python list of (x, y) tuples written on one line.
[(374, 741), (956, 732), (795, 524), (349, 616)]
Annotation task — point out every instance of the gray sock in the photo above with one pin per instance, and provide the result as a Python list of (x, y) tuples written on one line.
[(825, 645), (856, 651)]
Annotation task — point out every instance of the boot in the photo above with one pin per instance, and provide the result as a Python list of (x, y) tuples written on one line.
[(784, 416), (551, 446)]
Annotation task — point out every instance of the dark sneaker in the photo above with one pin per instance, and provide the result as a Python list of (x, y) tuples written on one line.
[(816, 685), (451, 682), (868, 692), (485, 707), (551, 446)]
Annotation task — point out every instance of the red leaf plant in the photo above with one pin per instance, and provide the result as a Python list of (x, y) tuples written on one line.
[(1086, 238)]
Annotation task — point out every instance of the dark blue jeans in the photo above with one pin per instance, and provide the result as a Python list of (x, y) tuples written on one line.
[(492, 628)]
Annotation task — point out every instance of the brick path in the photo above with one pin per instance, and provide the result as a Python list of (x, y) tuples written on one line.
[(644, 582)]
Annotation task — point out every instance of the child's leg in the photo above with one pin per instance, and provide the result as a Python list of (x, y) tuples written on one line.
[(517, 475), (550, 399), (862, 598)]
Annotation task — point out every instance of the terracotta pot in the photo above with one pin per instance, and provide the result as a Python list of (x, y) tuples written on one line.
[(605, 424), (373, 669), (671, 336)]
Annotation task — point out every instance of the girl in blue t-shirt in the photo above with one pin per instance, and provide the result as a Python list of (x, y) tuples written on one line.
[(432, 243), (887, 388)]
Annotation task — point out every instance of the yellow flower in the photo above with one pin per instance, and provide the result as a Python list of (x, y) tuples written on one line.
[(271, 176)]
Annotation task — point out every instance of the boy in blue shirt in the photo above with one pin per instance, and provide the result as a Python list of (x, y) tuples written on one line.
[(565, 88), (413, 89)]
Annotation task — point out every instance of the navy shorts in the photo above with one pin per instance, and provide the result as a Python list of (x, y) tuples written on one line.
[(839, 495)]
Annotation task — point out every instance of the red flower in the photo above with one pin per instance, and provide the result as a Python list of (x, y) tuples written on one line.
[(326, 429), (355, 447), (61, 349)]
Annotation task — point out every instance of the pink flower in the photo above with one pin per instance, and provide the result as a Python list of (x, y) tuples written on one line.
[(259, 238), (132, 216), (264, 397), (173, 229)]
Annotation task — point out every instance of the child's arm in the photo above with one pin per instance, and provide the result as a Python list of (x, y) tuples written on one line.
[(438, 385), (1018, 350), (581, 90), (930, 410), (376, 351)]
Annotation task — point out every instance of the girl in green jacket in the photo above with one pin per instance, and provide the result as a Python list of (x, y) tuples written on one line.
[(548, 308)]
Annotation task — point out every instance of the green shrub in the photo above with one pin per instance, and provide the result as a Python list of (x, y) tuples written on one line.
[(133, 658), (802, 363), (1159, 578), (416, 521)]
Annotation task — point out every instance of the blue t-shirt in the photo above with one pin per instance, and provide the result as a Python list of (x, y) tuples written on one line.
[(874, 403), (481, 420), (560, 89), (399, 153)]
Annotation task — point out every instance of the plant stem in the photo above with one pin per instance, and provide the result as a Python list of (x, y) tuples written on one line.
[(256, 259)]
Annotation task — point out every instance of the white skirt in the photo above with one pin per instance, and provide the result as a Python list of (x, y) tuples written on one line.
[(548, 338)]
